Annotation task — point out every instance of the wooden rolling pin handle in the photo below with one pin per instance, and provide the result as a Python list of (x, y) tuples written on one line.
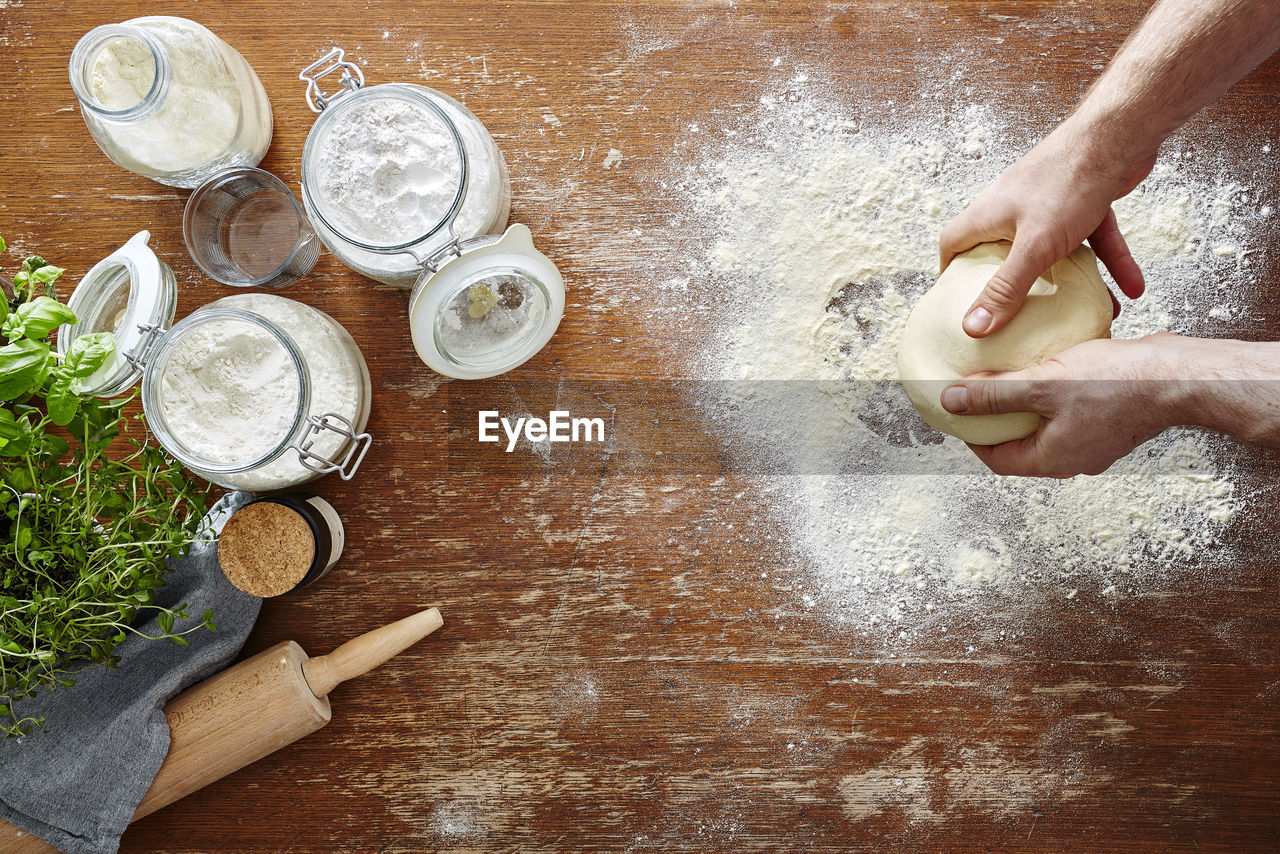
[(362, 654)]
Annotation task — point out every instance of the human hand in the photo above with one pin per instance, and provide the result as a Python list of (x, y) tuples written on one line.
[(1047, 204), (1098, 401)]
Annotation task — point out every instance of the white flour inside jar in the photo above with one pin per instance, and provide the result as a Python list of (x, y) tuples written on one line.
[(230, 390), (387, 173), (338, 383)]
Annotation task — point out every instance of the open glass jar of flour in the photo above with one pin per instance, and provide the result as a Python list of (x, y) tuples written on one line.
[(166, 98), (252, 391), (406, 186), (391, 173)]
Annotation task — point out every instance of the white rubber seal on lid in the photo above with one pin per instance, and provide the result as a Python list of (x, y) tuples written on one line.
[(488, 309), (128, 295)]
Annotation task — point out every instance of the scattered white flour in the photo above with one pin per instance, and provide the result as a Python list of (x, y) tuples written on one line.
[(821, 223), (612, 159), (455, 821)]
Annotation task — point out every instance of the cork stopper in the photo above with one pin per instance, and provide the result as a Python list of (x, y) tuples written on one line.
[(266, 549)]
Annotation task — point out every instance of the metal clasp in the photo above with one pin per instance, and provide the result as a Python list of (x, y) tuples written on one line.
[(323, 465), (138, 356), (327, 64), (433, 262)]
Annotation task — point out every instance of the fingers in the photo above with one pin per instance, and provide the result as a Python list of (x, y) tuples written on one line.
[(1005, 293), (991, 394), (1113, 252), (960, 234), (1021, 458)]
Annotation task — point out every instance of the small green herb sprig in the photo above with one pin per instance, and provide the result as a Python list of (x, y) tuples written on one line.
[(86, 522)]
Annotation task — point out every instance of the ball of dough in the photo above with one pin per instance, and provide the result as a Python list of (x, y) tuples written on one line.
[(1067, 305)]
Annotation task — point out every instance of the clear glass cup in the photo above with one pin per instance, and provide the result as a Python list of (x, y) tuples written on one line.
[(244, 228)]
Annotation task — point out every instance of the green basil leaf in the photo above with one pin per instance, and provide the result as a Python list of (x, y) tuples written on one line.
[(88, 353), (62, 401), (4, 301), (46, 274), (21, 363), (44, 373), (43, 315), (3, 245)]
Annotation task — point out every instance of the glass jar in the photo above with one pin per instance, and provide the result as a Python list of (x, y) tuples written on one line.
[(253, 391), (307, 527), (166, 98), (392, 173)]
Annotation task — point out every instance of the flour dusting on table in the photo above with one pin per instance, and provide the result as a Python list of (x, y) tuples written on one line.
[(820, 223)]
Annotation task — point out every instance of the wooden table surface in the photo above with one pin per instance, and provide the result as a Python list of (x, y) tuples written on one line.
[(612, 675)]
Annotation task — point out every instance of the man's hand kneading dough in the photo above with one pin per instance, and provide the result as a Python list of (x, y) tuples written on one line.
[(1101, 399)]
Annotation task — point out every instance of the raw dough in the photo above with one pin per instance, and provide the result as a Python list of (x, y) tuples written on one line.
[(1067, 305)]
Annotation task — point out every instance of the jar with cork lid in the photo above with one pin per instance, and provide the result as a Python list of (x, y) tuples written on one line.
[(280, 543)]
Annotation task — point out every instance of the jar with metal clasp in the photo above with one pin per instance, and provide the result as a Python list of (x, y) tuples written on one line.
[(316, 426), (482, 302)]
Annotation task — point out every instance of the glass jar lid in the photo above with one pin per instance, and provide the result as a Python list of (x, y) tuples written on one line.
[(384, 167), (131, 295), (485, 306)]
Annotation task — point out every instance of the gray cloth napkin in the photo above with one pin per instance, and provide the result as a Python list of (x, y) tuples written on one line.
[(77, 782)]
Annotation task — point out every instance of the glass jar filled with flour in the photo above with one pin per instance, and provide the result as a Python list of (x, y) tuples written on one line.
[(166, 98), (393, 172), (406, 186), (253, 391)]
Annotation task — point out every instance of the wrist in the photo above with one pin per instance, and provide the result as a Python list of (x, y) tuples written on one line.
[(1101, 144), (1166, 374), (1220, 384)]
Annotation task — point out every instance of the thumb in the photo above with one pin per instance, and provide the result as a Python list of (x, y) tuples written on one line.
[(1004, 294), (991, 394)]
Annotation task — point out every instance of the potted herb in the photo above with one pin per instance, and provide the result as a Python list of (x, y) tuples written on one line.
[(88, 516)]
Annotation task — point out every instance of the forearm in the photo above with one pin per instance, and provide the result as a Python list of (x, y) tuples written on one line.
[(1225, 385), (1184, 54)]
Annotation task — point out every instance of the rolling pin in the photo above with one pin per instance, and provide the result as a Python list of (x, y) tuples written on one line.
[(281, 688)]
